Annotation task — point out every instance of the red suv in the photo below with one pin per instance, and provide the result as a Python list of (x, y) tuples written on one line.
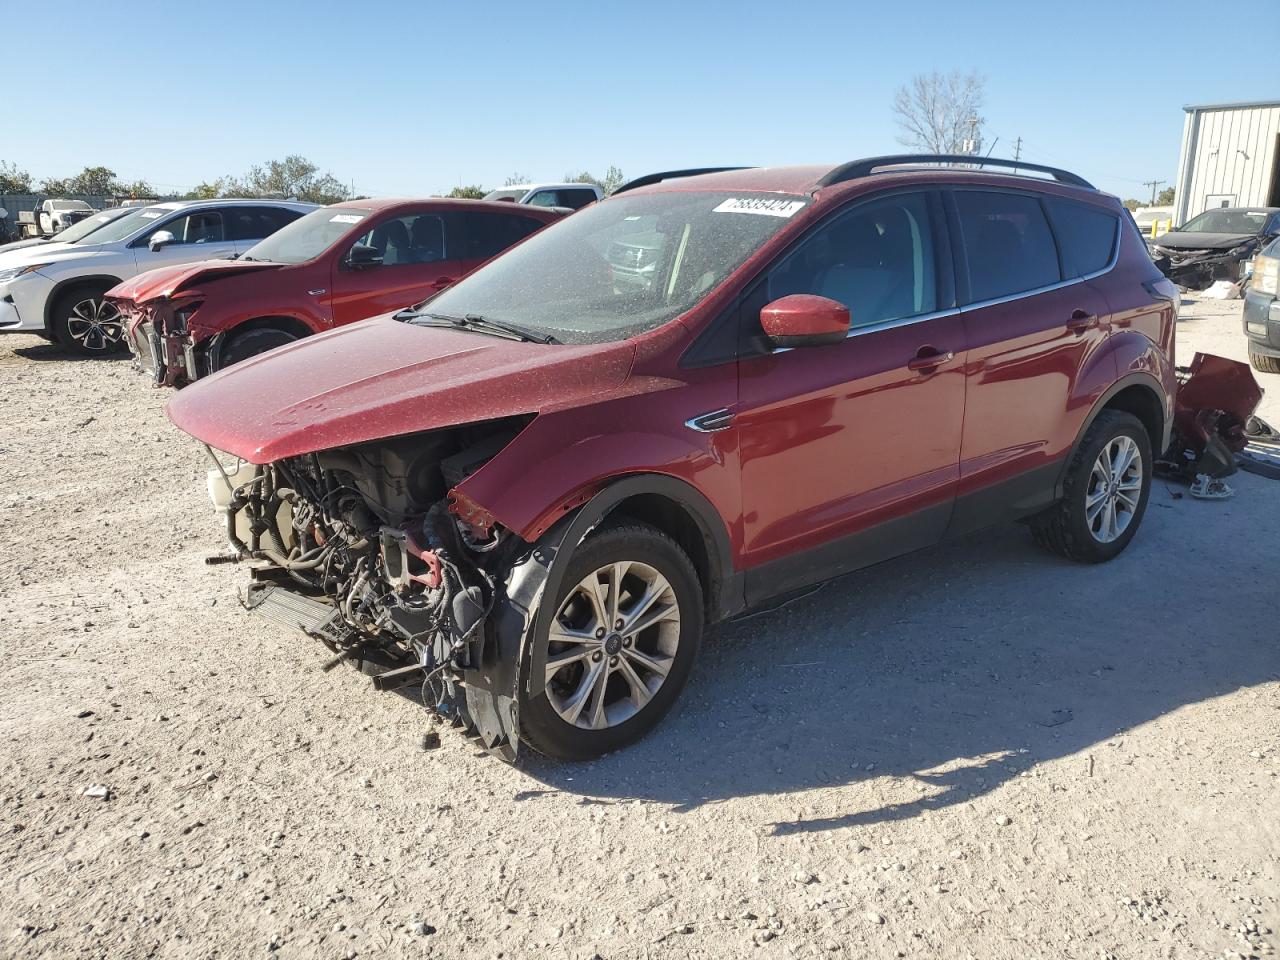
[(713, 389), (334, 266)]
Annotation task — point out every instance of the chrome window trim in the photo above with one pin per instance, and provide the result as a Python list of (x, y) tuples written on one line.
[(1116, 240)]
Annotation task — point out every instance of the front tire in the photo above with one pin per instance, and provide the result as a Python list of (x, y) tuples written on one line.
[(1105, 492), (626, 630), (86, 324), (1264, 364)]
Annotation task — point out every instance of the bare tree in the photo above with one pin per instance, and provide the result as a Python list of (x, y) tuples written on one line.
[(937, 111)]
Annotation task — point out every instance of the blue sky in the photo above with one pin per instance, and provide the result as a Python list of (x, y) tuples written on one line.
[(413, 98)]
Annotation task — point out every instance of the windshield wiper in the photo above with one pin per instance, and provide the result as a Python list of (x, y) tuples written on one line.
[(473, 321)]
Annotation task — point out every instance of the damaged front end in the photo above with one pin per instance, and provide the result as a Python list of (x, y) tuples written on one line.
[(1215, 399), (365, 549), (158, 333), (1199, 269)]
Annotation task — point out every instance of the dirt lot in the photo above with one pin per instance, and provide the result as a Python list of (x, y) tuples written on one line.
[(981, 751)]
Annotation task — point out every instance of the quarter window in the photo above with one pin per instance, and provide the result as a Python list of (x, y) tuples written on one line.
[(1007, 242), (1086, 235), (877, 259)]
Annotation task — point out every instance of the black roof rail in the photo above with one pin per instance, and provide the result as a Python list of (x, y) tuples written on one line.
[(651, 178), (864, 168)]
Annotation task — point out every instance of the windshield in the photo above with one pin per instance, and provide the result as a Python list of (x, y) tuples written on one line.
[(1227, 221), (87, 226), (622, 267), (124, 226), (505, 194), (307, 237)]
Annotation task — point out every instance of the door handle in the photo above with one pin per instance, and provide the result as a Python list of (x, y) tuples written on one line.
[(443, 282), (1081, 321), (928, 358)]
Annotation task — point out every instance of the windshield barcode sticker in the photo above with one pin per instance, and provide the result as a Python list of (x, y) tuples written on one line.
[(149, 215), (767, 207), (345, 218)]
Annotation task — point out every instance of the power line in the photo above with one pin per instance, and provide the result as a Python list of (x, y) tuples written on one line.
[(1153, 184)]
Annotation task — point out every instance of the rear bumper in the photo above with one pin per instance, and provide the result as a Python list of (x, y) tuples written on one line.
[(1262, 323)]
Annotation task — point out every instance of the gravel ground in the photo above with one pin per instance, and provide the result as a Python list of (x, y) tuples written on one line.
[(978, 751)]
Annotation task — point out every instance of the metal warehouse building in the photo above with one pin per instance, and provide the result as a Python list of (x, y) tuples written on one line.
[(1230, 158)]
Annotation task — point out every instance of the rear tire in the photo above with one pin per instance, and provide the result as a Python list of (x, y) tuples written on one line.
[(86, 325), (621, 680), (1265, 364), (250, 343), (1105, 492)]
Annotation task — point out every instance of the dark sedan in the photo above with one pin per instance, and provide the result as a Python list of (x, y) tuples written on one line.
[(1215, 245)]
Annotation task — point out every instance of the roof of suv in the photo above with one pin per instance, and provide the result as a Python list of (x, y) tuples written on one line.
[(811, 178)]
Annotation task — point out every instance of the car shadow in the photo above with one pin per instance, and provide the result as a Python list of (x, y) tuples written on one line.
[(951, 671), (56, 351)]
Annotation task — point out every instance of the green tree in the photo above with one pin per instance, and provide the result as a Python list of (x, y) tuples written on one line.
[(1165, 197), (138, 190), (1132, 204), (472, 192), (294, 176), (611, 181), (13, 180), (95, 182), (206, 190), (515, 180)]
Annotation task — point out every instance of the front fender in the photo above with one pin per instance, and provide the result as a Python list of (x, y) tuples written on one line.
[(563, 459)]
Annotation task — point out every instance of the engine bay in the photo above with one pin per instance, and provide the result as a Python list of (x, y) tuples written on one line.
[(359, 547)]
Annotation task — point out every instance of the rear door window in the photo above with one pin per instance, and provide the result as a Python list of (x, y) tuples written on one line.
[(256, 223), (1086, 235), (485, 235), (1007, 242)]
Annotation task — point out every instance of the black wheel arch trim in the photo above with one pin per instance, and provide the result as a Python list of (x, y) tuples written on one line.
[(214, 346), (492, 686), (103, 280), (1140, 379)]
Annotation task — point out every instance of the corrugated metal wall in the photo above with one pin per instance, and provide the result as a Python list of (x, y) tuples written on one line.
[(1227, 152)]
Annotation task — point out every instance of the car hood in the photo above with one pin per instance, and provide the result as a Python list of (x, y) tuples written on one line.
[(27, 252), (384, 378), (166, 281), (1176, 240), (22, 244)]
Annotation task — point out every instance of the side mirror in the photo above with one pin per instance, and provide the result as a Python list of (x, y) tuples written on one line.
[(363, 256), (805, 320), (160, 239)]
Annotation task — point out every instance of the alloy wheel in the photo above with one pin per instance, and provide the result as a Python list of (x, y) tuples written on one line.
[(95, 325), (1115, 489), (612, 644)]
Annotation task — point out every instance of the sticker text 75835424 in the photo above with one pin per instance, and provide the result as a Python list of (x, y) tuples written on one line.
[(767, 206)]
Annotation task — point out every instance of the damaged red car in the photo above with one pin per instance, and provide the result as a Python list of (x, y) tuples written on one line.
[(337, 265), (529, 495)]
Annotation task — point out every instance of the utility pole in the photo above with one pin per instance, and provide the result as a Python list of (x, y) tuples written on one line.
[(971, 142), (1153, 184), (1017, 153)]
